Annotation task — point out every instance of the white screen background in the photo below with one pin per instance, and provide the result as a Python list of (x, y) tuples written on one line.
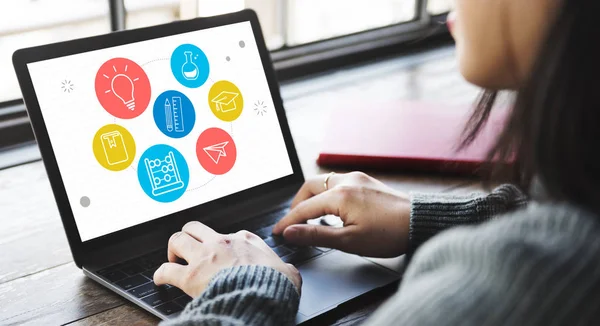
[(72, 119)]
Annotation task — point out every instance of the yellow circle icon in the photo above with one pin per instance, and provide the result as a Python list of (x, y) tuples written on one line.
[(114, 147), (225, 100)]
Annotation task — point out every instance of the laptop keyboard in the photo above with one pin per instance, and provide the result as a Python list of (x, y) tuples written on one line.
[(135, 276)]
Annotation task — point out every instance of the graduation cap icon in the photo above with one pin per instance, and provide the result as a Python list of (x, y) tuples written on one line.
[(225, 101), (216, 151)]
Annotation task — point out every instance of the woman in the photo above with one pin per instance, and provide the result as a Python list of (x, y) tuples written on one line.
[(524, 259)]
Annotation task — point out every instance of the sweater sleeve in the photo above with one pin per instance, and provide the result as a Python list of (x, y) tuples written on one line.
[(432, 213), (537, 266), (243, 295)]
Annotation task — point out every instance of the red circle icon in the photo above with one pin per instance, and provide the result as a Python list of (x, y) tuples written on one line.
[(123, 88), (216, 151)]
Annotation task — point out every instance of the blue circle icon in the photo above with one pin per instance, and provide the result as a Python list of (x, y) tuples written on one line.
[(190, 66), (163, 173), (174, 114)]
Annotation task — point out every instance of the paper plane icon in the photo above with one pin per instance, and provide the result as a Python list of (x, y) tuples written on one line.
[(216, 151)]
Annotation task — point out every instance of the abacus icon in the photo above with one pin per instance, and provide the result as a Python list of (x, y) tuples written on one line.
[(163, 174)]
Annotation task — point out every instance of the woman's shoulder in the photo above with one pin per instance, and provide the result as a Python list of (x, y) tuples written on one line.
[(546, 232), (535, 221), (559, 218), (535, 266)]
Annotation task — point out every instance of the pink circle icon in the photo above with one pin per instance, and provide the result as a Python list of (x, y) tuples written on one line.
[(123, 88), (216, 151)]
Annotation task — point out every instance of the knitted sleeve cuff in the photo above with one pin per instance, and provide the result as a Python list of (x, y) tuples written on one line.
[(433, 213), (245, 295)]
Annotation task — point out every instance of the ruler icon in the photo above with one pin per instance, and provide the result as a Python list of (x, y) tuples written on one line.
[(177, 114), (174, 114)]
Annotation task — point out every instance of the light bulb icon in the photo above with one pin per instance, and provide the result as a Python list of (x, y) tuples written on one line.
[(122, 86)]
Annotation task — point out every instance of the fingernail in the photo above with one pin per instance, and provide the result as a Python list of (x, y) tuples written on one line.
[(291, 231), (156, 272), (174, 236)]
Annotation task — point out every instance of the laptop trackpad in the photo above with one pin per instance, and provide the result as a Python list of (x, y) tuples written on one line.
[(336, 278)]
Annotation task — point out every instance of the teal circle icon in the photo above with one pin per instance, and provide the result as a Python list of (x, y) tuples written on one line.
[(163, 173), (190, 65)]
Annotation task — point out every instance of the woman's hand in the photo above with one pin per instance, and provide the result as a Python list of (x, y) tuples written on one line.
[(376, 218), (207, 252)]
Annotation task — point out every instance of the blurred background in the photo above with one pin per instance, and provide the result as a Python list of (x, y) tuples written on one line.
[(287, 24), (306, 39)]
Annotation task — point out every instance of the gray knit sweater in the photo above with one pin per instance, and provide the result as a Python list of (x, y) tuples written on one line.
[(502, 263)]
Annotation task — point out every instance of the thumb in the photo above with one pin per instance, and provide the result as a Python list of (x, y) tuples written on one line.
[(315, 235)]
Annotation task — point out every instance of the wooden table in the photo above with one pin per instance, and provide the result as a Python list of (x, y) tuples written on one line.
[(40, 285)]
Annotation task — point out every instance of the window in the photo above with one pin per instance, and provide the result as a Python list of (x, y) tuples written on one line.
[(314, 20), (437, 7), (288, 23), (143, 13), (305, 35), (26, 23)]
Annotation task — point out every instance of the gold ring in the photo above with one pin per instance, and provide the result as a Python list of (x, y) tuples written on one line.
[(325, 183)]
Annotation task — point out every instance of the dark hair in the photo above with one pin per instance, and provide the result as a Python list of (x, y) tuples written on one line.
[(554, 125)]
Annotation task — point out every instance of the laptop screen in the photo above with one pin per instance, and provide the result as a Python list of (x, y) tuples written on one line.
[(147, 129)]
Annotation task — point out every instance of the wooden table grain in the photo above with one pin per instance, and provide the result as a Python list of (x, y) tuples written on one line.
[(39, 283)]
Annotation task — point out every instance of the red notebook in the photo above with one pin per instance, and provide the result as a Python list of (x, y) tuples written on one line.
[(415, 136)]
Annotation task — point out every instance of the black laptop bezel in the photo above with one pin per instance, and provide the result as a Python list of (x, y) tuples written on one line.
[(23, 57)]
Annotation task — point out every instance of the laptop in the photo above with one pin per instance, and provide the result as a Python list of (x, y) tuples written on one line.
[(144, 130)]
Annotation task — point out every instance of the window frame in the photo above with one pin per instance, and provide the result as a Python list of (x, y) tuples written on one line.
[(290, 62)]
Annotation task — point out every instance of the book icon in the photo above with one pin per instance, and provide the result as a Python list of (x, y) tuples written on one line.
[(174, 114), (225, 101), (114, 147)]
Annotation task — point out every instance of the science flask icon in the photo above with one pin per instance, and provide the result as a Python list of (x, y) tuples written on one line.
[(189, 68), (123, 88), (189, 65)]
